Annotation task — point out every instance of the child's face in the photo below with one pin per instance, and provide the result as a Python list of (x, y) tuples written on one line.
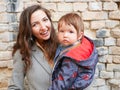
[(67, 34)]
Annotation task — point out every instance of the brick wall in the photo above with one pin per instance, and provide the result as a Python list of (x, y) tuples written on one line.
[(102, 24)]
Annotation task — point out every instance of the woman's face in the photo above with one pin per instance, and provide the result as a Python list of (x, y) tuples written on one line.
[(41, 25)]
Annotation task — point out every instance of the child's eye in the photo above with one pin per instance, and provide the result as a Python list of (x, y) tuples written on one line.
[(71, 31), (61, 31)]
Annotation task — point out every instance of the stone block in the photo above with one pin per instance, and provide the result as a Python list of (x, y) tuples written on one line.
[(102, 51), (12, 18), (95, 6), (104, 87), (2, 7), (86, 0), (80, 6), (97, 24), (103, 59), (106, 75), (115, 15), (14, 27), (117, 75), (90, 34), (7, 36), (113, 67), (64, 7), (116, 59), (114, 50), (4, 27), (5, 55), (50, 6), (118, 42), (4, 18), (86, 25), (3, 46), (101, 67), (115, 83), (109, 59), (87, 15), (110, 6), (57, 15), (99, 42), (111, 23), (110, 41), (98, 82), (103, 33), (115, 32), (69, 1)]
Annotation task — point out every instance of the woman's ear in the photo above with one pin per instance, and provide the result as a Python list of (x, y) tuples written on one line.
[(80, 36)]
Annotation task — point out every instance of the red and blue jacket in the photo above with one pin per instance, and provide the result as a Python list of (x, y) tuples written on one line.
[(74, 69)]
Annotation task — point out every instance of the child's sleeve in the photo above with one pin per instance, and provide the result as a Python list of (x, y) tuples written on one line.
[(84, 78), (65, 76), (86, 73)]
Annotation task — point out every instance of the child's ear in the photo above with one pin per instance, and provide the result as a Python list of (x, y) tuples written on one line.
[(80, 36)]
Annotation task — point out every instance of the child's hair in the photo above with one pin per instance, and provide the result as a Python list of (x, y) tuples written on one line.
[(72, 19)]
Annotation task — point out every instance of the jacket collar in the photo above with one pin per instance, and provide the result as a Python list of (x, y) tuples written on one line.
[(80, 52), (37, 54)]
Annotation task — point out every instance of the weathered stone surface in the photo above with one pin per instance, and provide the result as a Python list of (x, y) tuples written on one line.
[(113, 67), (110, 41), (106, 75), (101, 33), (95, 6), (115, 32), (80, 6), (99, 42), (111, 23), (115, 82), (94, 15), (118, 42), (115, 15), (116, 59), (114, 50), (110, 6), (102, 24), (97, 24)]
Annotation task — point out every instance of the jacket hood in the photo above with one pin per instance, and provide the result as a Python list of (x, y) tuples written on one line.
[(82, 51), (84, 54)]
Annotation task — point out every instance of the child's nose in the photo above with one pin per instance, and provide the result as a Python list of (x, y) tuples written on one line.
[(65, 34)]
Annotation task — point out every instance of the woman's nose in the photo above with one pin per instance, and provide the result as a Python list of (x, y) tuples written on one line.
[(42, 26)]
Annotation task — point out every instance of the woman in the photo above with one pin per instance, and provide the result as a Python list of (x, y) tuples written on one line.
[(34, 50)]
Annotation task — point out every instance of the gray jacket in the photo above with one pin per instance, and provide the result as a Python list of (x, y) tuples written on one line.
[(39, 75)]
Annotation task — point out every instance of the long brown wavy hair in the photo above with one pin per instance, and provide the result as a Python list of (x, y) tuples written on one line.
[(25, 39)]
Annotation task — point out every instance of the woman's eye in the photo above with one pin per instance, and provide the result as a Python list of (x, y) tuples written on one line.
[(33, 25), (45, 19)]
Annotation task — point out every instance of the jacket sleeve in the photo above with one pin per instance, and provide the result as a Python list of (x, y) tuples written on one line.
[(17, 79), (85, 74), (84, 78), (64, 76)]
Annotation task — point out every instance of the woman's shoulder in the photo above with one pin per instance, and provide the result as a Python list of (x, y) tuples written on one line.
[(17, 55)]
